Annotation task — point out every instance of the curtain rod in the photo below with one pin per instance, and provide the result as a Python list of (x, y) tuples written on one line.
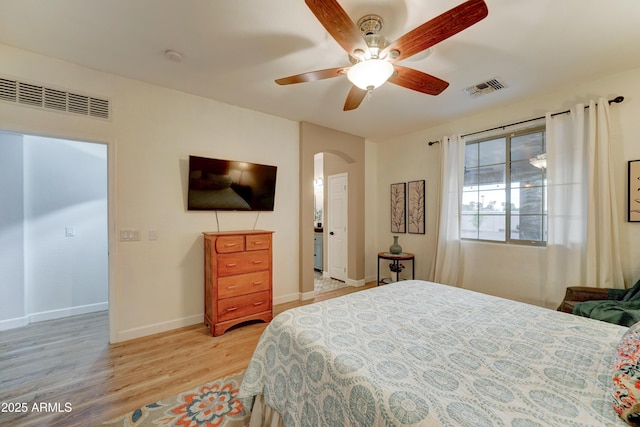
[(617, 100)]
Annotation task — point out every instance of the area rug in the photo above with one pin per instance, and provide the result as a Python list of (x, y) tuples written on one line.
[(214, 404), (325, 284)]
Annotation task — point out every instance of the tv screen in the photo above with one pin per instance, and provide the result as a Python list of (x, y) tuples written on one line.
[(216, 184)]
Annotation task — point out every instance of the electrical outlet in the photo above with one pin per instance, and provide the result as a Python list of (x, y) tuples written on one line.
[(129, 235)]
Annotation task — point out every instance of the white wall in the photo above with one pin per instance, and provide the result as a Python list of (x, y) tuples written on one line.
[(12, 302), (65, 227), (507, 270), (157, 285), (50, 185)]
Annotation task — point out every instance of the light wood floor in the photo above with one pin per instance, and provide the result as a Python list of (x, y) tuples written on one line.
[(70, 362)]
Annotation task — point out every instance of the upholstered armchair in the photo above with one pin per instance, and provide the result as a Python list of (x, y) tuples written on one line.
[(576, 294), (619, 306)]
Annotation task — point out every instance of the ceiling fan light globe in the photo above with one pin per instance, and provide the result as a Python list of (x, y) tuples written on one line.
[(539, 161), (370, 74)]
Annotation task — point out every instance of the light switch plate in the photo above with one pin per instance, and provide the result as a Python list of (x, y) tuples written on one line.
[(129, 235)]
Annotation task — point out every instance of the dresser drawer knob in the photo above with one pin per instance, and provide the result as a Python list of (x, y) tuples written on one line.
[(258, 243), (255, 304), (231, 287), (230, 245), (257, 261), (231, 309), (258, 282), (231, 264)]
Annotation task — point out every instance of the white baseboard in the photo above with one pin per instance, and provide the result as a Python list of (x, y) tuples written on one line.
[(355, 283), (298, 296), (16, 322), (307, 295), (143, 331), (286, 298), (67, 312), (52, 315)]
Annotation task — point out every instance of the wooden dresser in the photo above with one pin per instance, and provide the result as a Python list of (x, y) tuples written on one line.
[(237, 278)]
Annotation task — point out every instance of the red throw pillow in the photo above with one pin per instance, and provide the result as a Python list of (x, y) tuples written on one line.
[(626, 377)]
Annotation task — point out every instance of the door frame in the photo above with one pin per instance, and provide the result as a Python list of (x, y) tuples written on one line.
[(111, 213)]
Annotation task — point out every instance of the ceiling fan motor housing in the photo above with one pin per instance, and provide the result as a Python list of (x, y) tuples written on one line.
[(370, 26)]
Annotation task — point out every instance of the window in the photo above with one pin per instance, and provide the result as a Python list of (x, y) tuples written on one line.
[(504, 196)]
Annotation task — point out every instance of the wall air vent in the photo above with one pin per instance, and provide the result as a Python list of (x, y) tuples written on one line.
[(483, 88), (33, 95)]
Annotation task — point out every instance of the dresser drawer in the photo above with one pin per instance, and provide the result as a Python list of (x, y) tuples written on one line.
[(243, 262), (226, 244), (231, 286), (232, 308), (256, 242)]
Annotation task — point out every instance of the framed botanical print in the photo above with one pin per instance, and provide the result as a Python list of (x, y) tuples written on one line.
[(634, 191), (415, 209), (398, 211)]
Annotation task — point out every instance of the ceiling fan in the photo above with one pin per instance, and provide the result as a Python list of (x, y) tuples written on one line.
[(374, 59)]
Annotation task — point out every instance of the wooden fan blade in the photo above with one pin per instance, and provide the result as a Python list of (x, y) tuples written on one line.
[(338, 24), (312, 76), (438, 29), (354, 98), (417, 80)]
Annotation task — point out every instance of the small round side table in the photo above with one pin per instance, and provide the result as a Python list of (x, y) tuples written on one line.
[(395, 265)]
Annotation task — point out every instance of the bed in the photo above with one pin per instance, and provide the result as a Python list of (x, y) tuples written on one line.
[(421, 353)]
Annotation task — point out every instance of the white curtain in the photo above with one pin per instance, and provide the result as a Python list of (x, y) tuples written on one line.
[(582, 240), (447, 264)]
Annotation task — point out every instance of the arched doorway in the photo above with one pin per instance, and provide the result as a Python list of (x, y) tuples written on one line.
[(349, 152)]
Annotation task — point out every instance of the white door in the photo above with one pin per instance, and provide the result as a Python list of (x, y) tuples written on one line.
[(337, 226)]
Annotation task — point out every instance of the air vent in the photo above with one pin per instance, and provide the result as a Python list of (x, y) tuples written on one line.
[(485, 87), (47, 98)]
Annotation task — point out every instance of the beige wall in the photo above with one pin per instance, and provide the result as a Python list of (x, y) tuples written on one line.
[(347, 154), (158, 285), (402, 160), (371, 238), (511, 271)]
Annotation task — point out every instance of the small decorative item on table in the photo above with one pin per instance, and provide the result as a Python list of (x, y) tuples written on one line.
[(395, 248)]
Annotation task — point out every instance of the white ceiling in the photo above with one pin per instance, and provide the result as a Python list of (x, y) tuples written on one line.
[(233, 50)]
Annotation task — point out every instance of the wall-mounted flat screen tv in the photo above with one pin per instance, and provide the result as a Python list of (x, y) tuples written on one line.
[(216, 184)]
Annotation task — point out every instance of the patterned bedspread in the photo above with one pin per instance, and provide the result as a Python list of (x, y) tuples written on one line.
[(420, 353)]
